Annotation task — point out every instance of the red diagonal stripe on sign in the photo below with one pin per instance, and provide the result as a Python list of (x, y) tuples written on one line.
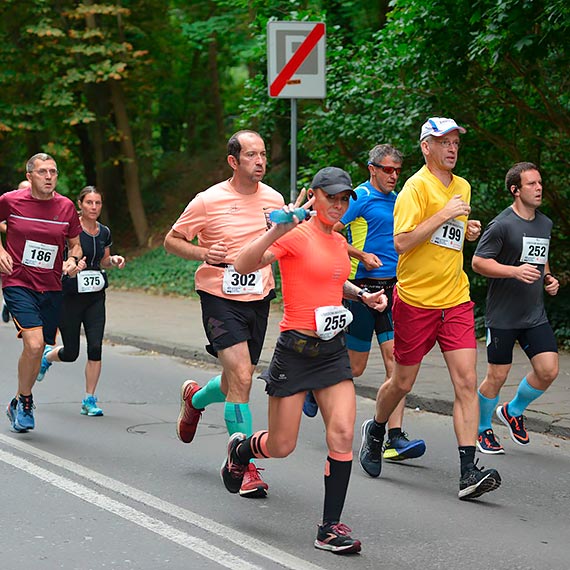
[(298, 58)]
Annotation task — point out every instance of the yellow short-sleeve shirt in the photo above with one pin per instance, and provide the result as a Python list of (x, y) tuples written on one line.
[(431, 274)]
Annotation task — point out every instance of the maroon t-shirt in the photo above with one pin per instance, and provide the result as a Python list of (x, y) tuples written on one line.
[(36, 237)]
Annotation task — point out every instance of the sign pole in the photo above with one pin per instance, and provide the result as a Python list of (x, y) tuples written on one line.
[(294, 192)]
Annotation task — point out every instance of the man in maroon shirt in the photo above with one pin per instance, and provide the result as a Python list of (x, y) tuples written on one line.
[(41, 223)]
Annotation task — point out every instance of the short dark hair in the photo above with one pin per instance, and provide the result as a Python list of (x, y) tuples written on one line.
[(513, 177), (234, 146)]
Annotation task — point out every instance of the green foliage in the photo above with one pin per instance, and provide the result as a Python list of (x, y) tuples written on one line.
[(157, 271)]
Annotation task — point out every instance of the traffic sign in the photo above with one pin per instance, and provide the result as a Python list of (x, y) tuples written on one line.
[(296, 60)]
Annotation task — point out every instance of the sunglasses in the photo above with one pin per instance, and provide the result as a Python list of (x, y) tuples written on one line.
[(387, 169)]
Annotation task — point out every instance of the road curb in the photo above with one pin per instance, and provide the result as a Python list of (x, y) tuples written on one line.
[(535, 422)]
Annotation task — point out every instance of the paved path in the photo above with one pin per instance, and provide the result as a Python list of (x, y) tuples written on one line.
[(173, 325)]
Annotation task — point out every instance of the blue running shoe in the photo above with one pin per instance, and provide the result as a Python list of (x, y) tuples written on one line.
[(24, 418), (44, 366), (400, 448), (89, 407), (310, 406), (11, 412)]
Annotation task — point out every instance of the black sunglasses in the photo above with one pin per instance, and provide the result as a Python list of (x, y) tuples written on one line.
[(387, 169)]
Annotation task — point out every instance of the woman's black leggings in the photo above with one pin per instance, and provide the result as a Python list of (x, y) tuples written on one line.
[(87, 309)]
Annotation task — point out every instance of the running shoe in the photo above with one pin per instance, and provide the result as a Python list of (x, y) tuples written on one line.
[(488, 443), (232, 472), (310, 406), (11, 412), (45, 365), (5, 313), (89, 407), (336, 538), (477, 481), (400, 448), (370, 454), (189, 415), (515, 424), (253, 486), (24, 418)]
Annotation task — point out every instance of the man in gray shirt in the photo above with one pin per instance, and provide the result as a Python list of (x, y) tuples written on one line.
[(513, 254)]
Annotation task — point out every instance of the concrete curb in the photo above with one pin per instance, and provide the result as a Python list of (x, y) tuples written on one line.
[(535, 422)]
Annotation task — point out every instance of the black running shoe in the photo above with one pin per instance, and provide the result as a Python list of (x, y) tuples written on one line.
[(487, 442), (370, 454), (477, 481), (232, 472), (517, 431), (5, 313), (336, 538)]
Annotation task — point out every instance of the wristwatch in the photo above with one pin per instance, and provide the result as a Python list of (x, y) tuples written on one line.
[(360, 294)]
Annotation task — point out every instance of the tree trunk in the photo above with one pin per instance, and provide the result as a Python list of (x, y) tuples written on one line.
[(130, 163)]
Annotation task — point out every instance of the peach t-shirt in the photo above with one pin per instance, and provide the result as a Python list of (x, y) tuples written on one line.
[(222, 214)]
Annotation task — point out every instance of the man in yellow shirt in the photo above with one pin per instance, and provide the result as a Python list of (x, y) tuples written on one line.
[(431, 299)]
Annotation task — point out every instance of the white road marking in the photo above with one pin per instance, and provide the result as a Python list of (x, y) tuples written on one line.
[(184, 539), (244, 541)]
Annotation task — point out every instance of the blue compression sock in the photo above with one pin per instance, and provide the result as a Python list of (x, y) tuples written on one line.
[(238, 418), (209, 394), (487, 407), (524, 396)]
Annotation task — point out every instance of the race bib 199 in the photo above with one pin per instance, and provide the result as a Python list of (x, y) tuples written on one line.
[(237, 284), (37, 254), (90, 281), (449, 235), (331, 320), (535, 250)]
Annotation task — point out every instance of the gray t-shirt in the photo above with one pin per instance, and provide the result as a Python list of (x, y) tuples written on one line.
[(511, 240)]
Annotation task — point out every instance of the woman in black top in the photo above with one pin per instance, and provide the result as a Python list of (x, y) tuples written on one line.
[(84, 299)]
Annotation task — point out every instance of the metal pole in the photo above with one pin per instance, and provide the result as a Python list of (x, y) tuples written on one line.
[(294, 192)]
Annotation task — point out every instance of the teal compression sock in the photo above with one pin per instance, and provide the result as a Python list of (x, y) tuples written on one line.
[(209, 394), (524, 396), (487, 407), (238, 418)]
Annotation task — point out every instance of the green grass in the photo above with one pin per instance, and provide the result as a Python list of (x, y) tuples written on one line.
[(158, 272)]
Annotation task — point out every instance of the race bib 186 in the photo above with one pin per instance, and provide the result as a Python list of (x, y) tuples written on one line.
[(535, 250), (37, 254), (449, 235), (237, 284)]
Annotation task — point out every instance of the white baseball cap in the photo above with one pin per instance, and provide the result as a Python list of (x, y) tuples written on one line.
[(439, 126)]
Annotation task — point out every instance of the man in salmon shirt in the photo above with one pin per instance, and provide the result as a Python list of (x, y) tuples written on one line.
[(431, 299), (235, 307)]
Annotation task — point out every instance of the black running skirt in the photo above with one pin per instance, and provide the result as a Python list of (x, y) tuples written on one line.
[(302, 362)]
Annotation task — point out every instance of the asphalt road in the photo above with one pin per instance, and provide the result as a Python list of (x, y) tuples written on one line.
[(122, 492)]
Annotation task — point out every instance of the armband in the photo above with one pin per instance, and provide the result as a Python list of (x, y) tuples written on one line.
[(76, 259)]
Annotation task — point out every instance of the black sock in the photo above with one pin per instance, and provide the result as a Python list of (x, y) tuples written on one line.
[(378, 430), (336, 485), (466, 456), (394, 432)]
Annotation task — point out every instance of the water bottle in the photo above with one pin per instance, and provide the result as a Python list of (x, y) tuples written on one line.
[(283, 217)]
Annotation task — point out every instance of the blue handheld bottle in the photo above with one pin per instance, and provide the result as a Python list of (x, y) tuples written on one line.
[(282, 217)]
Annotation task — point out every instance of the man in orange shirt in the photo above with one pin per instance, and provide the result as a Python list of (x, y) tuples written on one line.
[(235, 307)]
